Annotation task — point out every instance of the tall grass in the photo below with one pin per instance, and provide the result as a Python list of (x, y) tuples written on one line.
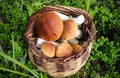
[(2, 54)]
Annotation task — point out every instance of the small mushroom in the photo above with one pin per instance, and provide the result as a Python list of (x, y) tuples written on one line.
[(76, 48), (70, 30), (64, 50), (48, 49)]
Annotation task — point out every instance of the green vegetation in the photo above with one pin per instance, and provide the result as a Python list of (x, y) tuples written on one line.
[(104, 61)]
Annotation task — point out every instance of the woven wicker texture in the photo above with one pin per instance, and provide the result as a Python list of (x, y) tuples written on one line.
[(60, 67)]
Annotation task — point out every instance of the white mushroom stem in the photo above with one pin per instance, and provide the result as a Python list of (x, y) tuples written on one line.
[(55, 43), (78, 34), (79, 20), (62, 16), (39, 42)]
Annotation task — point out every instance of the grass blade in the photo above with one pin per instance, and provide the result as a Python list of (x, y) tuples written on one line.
[(13, 50), (3, 57), (16, 72)]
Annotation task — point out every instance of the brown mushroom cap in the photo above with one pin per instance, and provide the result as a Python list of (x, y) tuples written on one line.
[(70, 29), (48, 49), (64, 50), (76, 48), (49, 26)]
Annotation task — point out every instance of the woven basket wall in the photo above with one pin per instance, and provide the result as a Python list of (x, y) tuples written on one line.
[(60, 67)]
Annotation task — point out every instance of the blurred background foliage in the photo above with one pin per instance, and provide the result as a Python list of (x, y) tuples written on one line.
[(104, 61)]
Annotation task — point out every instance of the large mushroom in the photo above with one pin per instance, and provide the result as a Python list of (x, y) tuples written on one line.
[(49, 26)]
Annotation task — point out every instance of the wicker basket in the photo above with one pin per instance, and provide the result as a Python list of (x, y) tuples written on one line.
[(60, 67)]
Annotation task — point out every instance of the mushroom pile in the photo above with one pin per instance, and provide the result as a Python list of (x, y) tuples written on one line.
[(58, 34)]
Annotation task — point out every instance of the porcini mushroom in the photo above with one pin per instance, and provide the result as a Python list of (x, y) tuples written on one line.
[(64, 50), (49, 26), (70, 30), (48, 49), (76, 48)]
